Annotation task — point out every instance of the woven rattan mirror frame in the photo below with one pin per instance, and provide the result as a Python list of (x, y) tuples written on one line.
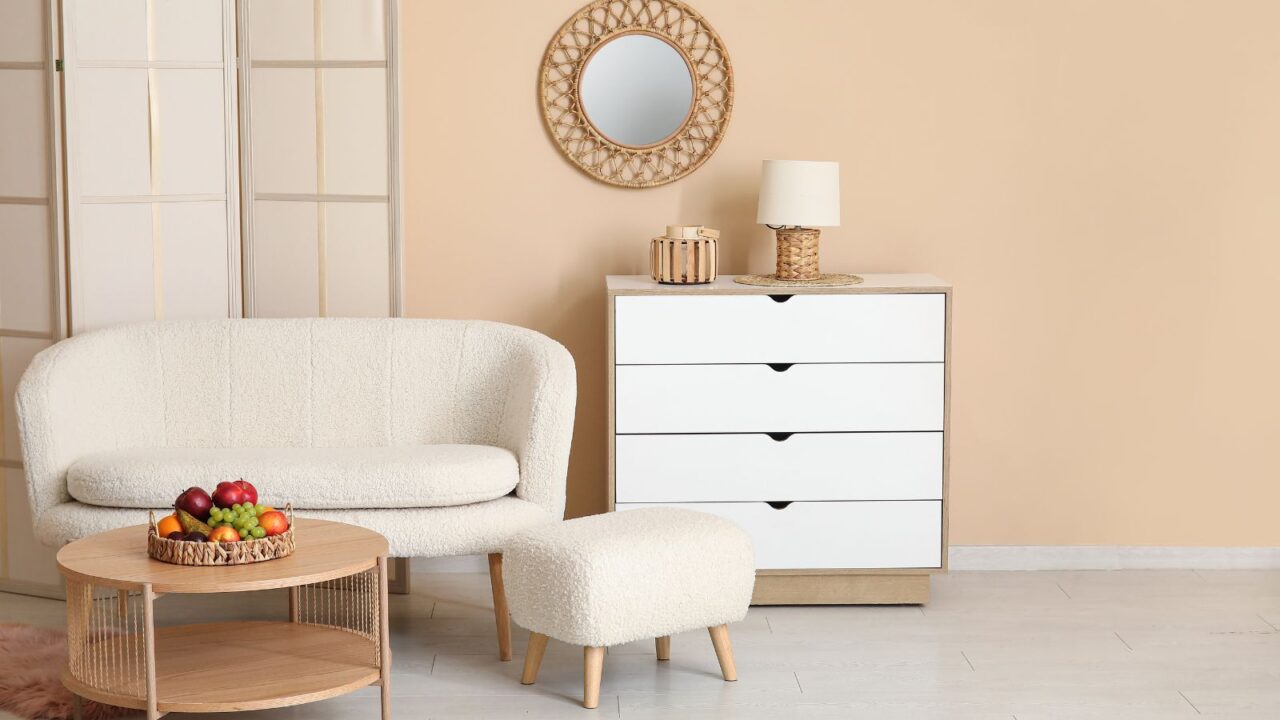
[(638, 167)]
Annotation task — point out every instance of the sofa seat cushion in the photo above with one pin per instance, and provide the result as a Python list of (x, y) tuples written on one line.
[(412, 476), (475, 529)]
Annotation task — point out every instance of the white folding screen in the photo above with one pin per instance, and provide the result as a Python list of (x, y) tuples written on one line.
[(152, 160), (31, 309), (320, 141), (121, 187)]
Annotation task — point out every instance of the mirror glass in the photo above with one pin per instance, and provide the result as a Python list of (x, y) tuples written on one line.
[(636, 90)]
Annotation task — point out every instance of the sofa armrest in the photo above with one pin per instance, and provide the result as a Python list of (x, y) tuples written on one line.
[(90, 393), (537, 424), (43, 461)]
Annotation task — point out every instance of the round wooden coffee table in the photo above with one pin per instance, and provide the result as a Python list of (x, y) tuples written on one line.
[(335, 640)]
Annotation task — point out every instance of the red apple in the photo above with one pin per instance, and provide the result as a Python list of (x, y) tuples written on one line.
[(250, 492), (196, 502), (226, 495)]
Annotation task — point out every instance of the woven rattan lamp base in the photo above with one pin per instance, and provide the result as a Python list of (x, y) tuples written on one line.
[(823, 280), (797, 253)]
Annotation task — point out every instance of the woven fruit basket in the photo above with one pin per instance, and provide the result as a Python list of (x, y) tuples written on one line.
[(210, 554)]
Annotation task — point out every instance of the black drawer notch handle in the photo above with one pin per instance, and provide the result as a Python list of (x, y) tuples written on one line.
[(780, 367), (779, 504), (780, 298), (780, 437)]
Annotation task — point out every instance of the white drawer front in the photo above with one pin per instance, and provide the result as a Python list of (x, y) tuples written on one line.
[(757, 398), (675, 329), (808, 535), (755, 467)]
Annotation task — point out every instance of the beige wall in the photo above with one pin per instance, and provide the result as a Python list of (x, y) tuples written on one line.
[(1100, 180)]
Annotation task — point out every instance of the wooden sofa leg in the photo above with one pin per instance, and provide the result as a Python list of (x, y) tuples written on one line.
[(592, 669), (533, 658), (500, 612), (663, 646), (398, 582), (724, 651)]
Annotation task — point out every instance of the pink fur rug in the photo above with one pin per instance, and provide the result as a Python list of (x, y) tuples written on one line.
[(31, 662)]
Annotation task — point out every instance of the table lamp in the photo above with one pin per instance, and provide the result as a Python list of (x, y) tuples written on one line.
[(796, 198)]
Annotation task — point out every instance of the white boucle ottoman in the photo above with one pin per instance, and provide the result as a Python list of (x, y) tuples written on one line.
[(614, 578)]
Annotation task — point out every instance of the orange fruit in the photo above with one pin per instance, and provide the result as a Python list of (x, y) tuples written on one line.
[(274, 522), (168, 525)]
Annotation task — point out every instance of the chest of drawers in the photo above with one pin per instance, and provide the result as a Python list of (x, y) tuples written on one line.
[(814, 418)]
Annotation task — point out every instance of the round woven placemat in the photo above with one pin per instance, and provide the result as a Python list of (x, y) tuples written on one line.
[(823, 280)]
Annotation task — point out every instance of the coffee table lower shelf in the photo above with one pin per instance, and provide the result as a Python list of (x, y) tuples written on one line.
[(225, 667)]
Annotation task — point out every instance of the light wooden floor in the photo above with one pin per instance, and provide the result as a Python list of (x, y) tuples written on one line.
[(1030, 646)]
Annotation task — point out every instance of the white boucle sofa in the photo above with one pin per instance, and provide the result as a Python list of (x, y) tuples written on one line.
[(445, 436)]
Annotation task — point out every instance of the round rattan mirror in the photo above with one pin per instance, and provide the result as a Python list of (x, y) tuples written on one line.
[(636, 90), (637, 93)]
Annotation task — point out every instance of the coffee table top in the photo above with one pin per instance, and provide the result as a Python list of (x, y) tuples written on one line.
[(325, 550)]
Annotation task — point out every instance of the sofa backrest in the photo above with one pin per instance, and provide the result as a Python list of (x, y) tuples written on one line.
[(304, 382)]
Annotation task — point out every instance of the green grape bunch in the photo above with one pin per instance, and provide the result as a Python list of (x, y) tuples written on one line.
[(241, 518)]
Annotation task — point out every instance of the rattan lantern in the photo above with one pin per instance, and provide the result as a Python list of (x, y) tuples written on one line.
[(686, 255)]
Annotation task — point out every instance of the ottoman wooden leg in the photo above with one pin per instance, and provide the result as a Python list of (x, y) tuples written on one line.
[(533, 658), (724, 651), (592, 668), (663, 646), (500, 612)]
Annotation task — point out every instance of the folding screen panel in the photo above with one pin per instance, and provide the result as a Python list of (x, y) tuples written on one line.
[(319, 127), (30, 281), (143, 150), (152, 160)]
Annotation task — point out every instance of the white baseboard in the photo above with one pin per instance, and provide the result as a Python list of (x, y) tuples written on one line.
[(34, 589), (459, 564), (1111, 557), (1025, 557)]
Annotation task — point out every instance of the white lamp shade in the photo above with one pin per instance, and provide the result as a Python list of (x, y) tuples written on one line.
[(805, 193)]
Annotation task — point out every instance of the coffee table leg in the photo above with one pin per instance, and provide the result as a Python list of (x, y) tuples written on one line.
[(77, 707), (294, 610), (384, 638), (149, 618)]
